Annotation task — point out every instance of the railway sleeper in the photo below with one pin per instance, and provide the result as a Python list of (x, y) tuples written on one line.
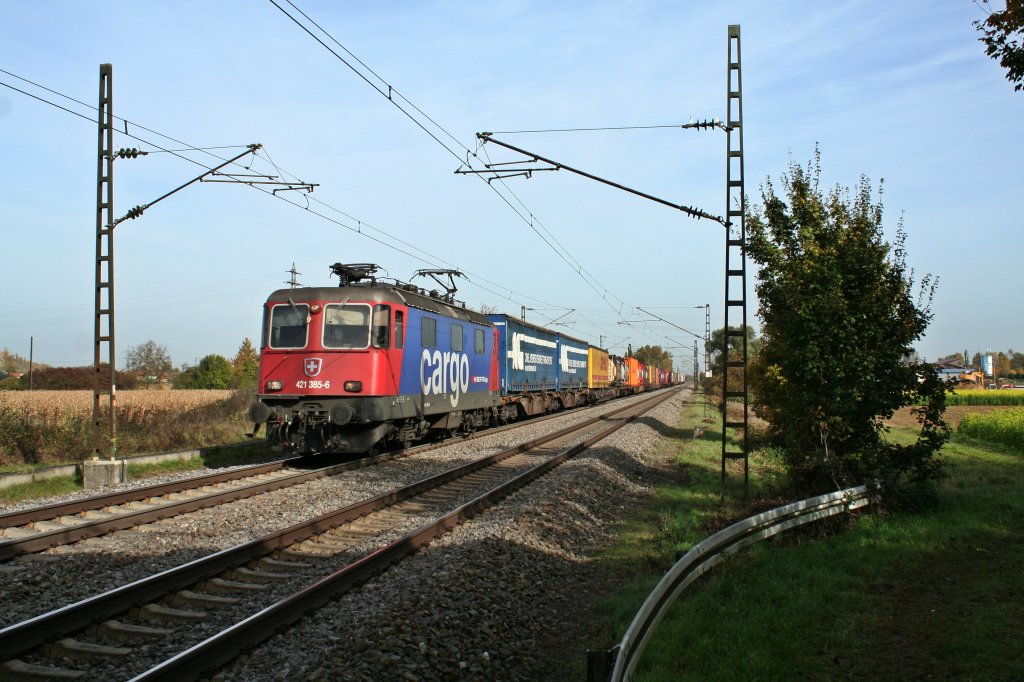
[(18, 532), (279, 564), (160, 612), (187, 598), (73, 649), (224, 586), (96, 514), (339, 540), (326, 548), (17, 669), (310, 549), (248, 575), (46, 526), (116, 631)]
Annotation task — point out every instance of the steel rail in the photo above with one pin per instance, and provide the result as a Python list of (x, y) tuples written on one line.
[(220, 649), (93, 503), (27, 635), (90, 529), (44, 540), (97, 502)]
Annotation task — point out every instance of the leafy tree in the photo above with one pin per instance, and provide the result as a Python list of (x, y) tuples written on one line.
[(245, 367), (1002, 33), (1001, 364), (653, 355), (1016, 361), (838, 323), (12, 362), (213, 371), (716, 344), (8, 383), (149, 360), (716, 358)]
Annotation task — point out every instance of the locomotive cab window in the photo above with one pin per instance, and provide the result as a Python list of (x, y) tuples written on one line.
[(399, 329), (347, 326), (457, 337), (289, 324), (478, 341), (381, 332), (428, 332)]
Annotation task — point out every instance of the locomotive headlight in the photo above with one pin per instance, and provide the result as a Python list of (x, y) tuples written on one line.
[(353, 386), (314, 308), (274, 385)]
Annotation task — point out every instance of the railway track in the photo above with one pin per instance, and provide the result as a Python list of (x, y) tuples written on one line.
[(201, 615), (41, 528)]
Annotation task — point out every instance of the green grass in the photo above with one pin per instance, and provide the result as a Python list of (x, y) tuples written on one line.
[(211, 457), (60, 485), (933, 594)]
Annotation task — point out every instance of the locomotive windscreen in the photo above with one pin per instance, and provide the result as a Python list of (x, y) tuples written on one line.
[(347, 326), (289, 325)]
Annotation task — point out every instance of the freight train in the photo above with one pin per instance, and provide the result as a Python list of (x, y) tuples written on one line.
[(374, 363)]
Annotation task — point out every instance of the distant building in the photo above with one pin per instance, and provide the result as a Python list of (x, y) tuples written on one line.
[(951, 373)]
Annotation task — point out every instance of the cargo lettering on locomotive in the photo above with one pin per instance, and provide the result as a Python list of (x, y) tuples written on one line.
[(444, 372)]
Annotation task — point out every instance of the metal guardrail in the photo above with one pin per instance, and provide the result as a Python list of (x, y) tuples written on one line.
[(708, 553)]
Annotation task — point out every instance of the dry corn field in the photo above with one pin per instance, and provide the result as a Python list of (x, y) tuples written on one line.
[(129, 404), (56, 426)]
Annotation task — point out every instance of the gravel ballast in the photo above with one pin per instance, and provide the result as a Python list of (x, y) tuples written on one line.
[(507, 596), (494, 599)]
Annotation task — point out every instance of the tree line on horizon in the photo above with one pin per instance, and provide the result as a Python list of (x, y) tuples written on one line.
[(147, 365), (1009, 364)]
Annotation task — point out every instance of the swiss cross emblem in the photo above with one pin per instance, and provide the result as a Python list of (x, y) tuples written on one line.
[(312, 366)]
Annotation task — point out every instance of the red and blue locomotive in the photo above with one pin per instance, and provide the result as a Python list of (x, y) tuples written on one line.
[(372, 363), (368, 363)]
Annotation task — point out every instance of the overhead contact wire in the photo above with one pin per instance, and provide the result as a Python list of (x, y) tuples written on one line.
[(389, 95)]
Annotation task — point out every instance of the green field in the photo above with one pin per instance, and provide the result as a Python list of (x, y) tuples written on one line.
[(1003, 427), (931, 594), (983, 397)]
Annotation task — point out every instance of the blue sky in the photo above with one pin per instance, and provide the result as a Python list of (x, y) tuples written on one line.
[(900, 91)]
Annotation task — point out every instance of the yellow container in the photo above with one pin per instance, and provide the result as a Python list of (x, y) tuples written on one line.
[(598, 368)]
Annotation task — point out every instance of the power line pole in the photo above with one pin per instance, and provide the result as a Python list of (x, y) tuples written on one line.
[(735, 267), (695, 368), (707, 355), (293, 282), (104, 317), (100, 473)]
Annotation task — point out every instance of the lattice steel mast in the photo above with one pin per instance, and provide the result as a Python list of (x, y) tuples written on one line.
[(104, 326), (735, 269), (104, 317)]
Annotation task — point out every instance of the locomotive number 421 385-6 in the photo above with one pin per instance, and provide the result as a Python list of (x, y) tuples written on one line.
[(314, 383)]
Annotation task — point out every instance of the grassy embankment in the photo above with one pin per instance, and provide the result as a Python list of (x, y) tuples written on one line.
[(895, 595)]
